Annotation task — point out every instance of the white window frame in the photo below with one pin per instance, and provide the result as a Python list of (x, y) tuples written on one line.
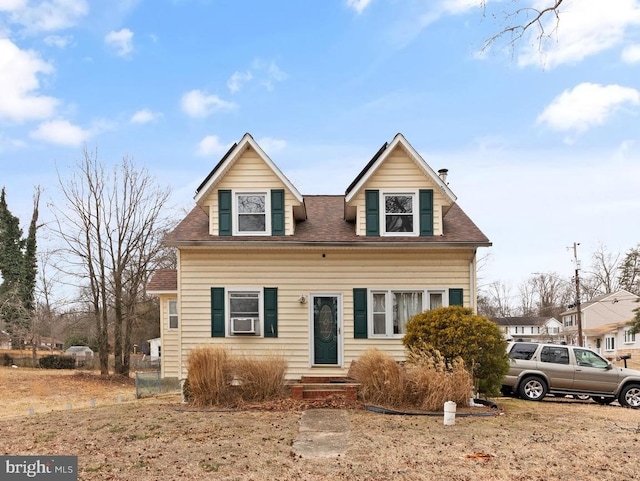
[(388, 293), (629, 337), (267, 213), (259, 324), (170, 315), (609, 343), (415, 213)]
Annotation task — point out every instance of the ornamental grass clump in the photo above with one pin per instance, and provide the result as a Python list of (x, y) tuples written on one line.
[(209, 376), (381, 378), (425, 382), (216, 378), (260, 380)]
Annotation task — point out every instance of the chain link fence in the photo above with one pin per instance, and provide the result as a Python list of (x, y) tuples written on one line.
[(150, 383)]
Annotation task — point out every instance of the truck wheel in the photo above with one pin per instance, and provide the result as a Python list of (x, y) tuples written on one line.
[(532, 388), (630, 396)]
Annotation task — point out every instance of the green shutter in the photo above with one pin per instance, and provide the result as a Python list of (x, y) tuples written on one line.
[(270, 312), (359, 313), (277, 212), (426, 212), (455, 297), (224, 212), (372, 212), (217, 312)]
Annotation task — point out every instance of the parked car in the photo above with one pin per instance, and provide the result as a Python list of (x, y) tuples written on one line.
[(540, 369)]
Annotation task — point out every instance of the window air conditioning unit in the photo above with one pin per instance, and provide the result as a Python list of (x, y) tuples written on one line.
[(243, 325)]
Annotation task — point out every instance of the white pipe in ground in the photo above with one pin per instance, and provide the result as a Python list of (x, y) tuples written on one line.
[(449, 413)]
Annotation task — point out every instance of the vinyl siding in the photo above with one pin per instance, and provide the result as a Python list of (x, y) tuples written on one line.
[(249, 174), (297, 272), (170, 344), (397, 174)]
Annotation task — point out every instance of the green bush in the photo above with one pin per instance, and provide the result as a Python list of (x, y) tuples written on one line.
[(55, 361), (455, 332)]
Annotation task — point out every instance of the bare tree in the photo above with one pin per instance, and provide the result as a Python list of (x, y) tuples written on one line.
[(112, 229), (495, 300), (523, 18), (602, 277)]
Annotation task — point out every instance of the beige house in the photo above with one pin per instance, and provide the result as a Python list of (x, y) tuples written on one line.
[(318, 279), (605, 324)]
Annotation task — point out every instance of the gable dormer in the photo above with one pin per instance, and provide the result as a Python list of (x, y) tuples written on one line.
[(246, 194), (398, 194)]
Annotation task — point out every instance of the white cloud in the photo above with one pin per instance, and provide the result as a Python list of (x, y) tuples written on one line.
[(211, 145), (631, 53), (12, 5), (585, 28), (358, 5), (270, 145), (268, 72), (61, 132), (236, 80), (197, 103), (121, 41), (48, 16), (586, 105), (144, 116), (60, 41), (19, 84)]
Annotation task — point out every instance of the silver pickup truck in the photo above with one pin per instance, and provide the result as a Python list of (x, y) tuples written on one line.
[(540, 369)]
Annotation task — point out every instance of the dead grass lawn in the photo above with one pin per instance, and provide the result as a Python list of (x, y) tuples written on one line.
[(160, 439)]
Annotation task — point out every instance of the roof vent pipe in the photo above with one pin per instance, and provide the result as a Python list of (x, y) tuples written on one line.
[(443, 174)]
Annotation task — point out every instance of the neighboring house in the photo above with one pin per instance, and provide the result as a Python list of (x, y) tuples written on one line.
[(605, 324), (318, 279), (5, 340), (536, 329)]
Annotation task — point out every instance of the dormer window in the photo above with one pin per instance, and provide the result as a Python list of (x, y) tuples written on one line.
[(252, 213), (399, 213)]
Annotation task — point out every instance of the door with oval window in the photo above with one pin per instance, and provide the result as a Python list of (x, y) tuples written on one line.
[(326, 330)]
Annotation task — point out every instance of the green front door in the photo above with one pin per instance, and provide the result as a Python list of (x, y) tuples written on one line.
[(325, 330)]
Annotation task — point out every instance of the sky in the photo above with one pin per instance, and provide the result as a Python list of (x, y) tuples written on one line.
[(541, 136)]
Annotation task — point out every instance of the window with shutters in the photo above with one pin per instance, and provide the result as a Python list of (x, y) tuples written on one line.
[(389, 310), (244, 311), (399, 213), (252, 213)]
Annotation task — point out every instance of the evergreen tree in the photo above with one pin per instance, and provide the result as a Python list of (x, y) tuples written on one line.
[(18, 268), (629, 278)]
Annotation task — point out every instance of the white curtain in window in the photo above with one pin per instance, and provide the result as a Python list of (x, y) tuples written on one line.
[(406, 305)]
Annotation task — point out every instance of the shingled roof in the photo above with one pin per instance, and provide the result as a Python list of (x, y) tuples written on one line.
[(325, 224), (163, 280)]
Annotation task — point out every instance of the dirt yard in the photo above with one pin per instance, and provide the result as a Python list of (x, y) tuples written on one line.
[(161, 439)]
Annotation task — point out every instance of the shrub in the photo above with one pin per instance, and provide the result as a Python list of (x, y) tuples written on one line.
[(215, 377), (455, 332), (55, 361)]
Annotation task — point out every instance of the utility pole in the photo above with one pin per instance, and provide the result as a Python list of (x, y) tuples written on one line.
[(579, 311)]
